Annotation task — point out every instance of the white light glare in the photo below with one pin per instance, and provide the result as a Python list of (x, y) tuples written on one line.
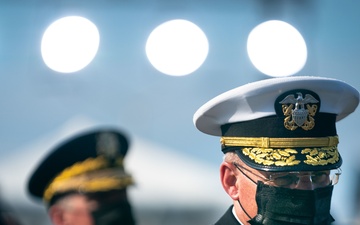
[(70, 44), (276, 48), (177, 47)]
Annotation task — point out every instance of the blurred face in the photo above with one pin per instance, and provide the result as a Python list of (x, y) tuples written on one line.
[(80, 209), (71, 210)]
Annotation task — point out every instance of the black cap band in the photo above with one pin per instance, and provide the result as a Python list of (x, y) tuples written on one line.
[(273, 126)]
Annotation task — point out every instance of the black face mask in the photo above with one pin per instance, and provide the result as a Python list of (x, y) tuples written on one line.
[(115, 214), (283, 206)]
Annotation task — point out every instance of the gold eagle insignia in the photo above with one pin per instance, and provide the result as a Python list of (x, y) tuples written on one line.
[(299, 111)]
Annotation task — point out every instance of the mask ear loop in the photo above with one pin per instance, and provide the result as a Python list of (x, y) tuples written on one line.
[(247, 214), (243, 209), (247, 176)]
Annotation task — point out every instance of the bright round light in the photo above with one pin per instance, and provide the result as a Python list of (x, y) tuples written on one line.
[(177, 47), (70, 44), (277, 49)]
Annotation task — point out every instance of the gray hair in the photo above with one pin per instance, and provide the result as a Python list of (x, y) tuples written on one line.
[(231, 157)]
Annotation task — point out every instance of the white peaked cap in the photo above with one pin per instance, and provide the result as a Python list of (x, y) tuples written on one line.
[(281, 124), (256, 100)]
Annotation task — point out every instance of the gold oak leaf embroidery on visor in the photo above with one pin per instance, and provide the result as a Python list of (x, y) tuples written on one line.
[(268, 156), (321, 156), (287, 151), (287, 156)]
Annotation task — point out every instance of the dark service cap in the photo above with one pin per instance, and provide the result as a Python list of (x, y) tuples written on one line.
[(88, 162)]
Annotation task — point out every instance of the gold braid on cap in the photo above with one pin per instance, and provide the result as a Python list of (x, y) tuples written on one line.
[(90, 175), (281, 152), (267, 142)]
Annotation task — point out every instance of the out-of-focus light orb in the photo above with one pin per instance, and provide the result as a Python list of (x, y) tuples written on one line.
[(177, 47), (276, 48), (70, 44)]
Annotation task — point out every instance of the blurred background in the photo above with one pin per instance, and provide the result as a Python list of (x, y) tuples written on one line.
[(137, 77)]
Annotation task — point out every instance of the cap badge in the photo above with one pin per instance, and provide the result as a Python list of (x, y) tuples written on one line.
[(299, 111), (107, 145)]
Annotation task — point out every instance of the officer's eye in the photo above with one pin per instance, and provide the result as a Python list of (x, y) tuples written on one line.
[(320, 177), (285, 180)]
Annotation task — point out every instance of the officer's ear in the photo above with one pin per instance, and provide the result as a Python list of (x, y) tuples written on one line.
[(229, 180), (56, 214)]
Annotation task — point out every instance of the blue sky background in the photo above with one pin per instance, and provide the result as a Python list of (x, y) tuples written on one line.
[(40, 107)]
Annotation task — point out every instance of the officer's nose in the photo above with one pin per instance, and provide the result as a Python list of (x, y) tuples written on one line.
[(305, 183)]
